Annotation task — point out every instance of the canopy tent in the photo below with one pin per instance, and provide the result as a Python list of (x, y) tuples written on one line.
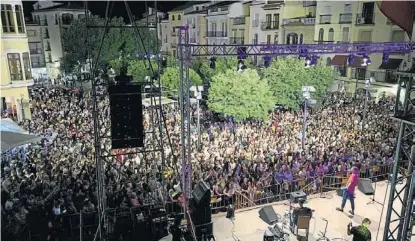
[(164, 101), (11, 140), (8, 124)]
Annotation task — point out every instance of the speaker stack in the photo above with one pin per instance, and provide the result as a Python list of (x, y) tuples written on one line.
[(201, 212), (126, 107)]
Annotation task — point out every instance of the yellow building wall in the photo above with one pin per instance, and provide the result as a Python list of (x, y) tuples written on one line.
[(247, 21), (295, 9), (202, 28), (11, 46)]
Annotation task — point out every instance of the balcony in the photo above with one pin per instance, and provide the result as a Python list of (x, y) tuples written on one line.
[(309, 3), (363, 19), (173, 45), (16, 76), (217, 34), (239, 21), (38, 64), (305, 21), (345, 18), (255, 23), (35, 51), (270, 25), (325, 19), (236, 40)]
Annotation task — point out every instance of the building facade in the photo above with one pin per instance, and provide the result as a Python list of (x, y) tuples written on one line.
[(16, 71), (298, 20), (37, 52), (50, 20), (195, 18)]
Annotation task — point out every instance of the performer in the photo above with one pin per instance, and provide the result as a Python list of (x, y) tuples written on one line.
[(299, 211), (360, 233), (348, 193)]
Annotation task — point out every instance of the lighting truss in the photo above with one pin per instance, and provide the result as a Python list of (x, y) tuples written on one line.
[(186, 51), (400, 218), (153, 150), (301, 49)]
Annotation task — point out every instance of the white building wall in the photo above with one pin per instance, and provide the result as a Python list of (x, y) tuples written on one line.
[(218, 19), (191, 21), (165, 36), (257, 15)]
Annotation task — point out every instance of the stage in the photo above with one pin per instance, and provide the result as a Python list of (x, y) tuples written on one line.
[(249, 227)]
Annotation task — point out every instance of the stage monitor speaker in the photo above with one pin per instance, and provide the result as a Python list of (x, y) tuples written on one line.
[(126, 110), (201, 193), (365, 186), (200, 213), (295, 196), (268, 215)]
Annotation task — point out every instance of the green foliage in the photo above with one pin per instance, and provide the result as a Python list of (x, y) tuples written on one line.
[(286, 77), (170, 79), (75, 45), (138, 69), (222, 65), (172, 61), (241, 95)]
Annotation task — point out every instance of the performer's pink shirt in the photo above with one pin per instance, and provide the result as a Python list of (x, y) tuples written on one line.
[(352, 182)]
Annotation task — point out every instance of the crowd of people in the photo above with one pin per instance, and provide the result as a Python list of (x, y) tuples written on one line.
[(57, 176)]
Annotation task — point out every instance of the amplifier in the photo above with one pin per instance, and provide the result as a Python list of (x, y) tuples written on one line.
[(295, 196)]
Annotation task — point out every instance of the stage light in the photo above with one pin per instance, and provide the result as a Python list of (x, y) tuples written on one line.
[(267, 61), (366, 60), (212, 64), (307, 62), (241, 66), (385, 58)]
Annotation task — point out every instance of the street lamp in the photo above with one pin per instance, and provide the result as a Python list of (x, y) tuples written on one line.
[(197, 91), (368, 83), (306, 90)]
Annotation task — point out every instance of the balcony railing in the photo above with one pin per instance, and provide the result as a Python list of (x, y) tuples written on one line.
[(255, 23), (345, 18), (270, 25), (362, 19), (325, 19), (38, 64), (217, 34), (16, 77), (309, 3), (306, 21), (236, 40), (35, 51), (239, 21)]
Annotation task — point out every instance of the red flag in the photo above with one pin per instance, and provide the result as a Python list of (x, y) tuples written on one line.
[(400, 13)]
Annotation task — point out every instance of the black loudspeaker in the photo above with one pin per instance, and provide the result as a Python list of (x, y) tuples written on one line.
[(126, 116), (365, 186), (201, 213), (201, 193), (268, 215), (295, 196), (204, 232)]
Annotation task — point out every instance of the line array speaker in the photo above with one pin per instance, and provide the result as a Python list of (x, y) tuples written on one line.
[(126, 110)]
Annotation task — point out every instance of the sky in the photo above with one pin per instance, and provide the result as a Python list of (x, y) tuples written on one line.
[(98, 7)]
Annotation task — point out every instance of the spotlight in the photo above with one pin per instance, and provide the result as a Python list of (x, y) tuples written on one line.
[(366, 60), (241, 66), (350, 59), (307, 62), (385, 58), (212, 64), (267, 61)]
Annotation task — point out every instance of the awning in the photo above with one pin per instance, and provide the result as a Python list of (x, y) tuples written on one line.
[(8, 124), (357, 63), (391, 64), (10, 140), (339, 60)]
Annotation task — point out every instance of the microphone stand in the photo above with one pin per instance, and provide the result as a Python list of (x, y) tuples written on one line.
[(372, 200)]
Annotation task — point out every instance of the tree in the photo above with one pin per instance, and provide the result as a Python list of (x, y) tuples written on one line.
[(242, 95), (221, 66), (286, 76), (138, 69), (75, 44), (170, 79)]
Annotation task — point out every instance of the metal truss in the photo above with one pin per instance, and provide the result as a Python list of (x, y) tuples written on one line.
[(400, 217), (153, 150), (186, 51), (300, 49)]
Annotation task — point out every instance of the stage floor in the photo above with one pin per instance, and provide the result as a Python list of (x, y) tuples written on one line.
[(249, 227)]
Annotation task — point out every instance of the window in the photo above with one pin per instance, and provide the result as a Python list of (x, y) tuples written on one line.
[(347, 8), (197, 8), (398, 36), (342, 70), (365, 36), (331, 35), (26, 65), (214, 10), (276, 39), (7, 19), (56, 19), (301, 39), (321, 35), (31, 33), (327, 10), (67, 18), (172, 17), (328, 61), (179, 17), (268, 39), (19, 19), (345, 36), (224, 9), (15, 66), (359, 73), (268, 20)]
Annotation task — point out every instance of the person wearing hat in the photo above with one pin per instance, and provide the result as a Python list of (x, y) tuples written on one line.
[(299, 211), (361, 232)]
